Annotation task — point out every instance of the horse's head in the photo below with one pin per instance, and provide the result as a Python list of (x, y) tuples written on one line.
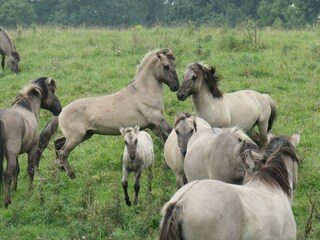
[(185, 127), (193, 78), (130, 135), (49, 100), (165, 69), (13, 61)]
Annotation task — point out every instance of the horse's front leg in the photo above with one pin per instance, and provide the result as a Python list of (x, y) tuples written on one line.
[(150, 177), (31, 166), (124, 183), (162, 130), (137, 176), (2, 61), (16, 174)]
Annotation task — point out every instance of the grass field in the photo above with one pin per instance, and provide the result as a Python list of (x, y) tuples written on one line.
[(91, 62)]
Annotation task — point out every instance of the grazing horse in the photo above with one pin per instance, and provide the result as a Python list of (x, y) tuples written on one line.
[(137, 156), (19, 128), (259, 209), (175, 147), (139, 103), (7, 48), (218, 155), (244, 109)]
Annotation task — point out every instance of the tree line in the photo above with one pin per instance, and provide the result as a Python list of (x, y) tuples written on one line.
[(127, 13)]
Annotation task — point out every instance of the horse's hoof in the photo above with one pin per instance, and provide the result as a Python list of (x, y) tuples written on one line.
[(72, 175), (7, 203), (128, 203)]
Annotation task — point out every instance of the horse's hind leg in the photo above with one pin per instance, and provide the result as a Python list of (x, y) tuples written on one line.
[(2, 61), (150, 176), (15, 175), (31, 166), (263, 126), (11, 168)]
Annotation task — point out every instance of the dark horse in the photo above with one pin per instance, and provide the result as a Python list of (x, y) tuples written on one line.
[(7, 48), (19, 128)]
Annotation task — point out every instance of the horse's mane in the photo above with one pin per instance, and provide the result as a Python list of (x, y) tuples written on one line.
[(182, 116), (7, 35), (274, 172), (211, 77), (38, 85)]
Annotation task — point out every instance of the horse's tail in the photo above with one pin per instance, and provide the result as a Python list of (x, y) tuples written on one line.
[(47, 132), (273, 114), (171, 222), (2, 152)]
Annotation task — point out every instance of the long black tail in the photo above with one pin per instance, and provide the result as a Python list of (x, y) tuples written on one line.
[(2, 152), (171, 222), (47, 132)]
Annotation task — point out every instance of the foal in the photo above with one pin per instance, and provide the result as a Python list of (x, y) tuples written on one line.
[(137, 156)]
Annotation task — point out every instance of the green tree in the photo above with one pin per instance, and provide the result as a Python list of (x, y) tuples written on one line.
[(13, 12)]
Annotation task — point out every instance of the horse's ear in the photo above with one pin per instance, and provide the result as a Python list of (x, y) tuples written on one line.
[(295, 139), (194, 120), (122, 131), (212, 70), (36, 92), (136, 129), (160, 55)]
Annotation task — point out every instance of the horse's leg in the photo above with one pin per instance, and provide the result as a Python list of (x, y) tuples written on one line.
[(11, 168), (263, 126), (162, 130), (137, 176), (124, 183), (150, 177), (16, 174), (254, 136), (31, 166), (2, 61)]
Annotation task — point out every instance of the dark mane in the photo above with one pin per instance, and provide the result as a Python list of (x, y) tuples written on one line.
[(212, 79), (275, 172)]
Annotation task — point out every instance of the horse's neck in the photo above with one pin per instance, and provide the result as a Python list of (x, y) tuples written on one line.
[(210, 108), (145, 80)]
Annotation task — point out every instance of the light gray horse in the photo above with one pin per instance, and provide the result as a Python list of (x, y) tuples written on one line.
[(7, 48), (19, 128), (139, 103), (218, 155), (259, 209), (244, 109), (137, 156), (175, 147)]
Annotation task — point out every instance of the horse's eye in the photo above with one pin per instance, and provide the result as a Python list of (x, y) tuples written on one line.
[(194, 77), (177, 132), (166, 67), (191, 131), (136, 141), (125, 142)]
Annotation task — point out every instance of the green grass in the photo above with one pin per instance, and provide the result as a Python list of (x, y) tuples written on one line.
[(92, 62)]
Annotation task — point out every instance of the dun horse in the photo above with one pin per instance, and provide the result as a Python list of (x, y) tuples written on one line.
[(175, 147), (244, 109), (218, 155), (211, 209), (139, 103), (137, 156), (7, 49), (19, 128)]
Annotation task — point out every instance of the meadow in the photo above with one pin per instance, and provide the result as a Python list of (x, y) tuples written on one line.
[(94, 61)]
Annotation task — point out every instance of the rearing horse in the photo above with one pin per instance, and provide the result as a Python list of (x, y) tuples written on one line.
[(244, 109), (139, 103), (19, 128)]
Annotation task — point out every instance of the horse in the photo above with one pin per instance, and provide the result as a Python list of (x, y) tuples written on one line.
[(245, 109), (219, 155), (139, 103), (137, 156), (259, 209), (175, 147), (7, 48), (19, 128)]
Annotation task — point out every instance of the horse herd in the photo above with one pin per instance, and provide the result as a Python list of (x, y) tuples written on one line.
[(232, 182)]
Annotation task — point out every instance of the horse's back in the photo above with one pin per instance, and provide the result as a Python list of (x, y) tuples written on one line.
[(147, 147)]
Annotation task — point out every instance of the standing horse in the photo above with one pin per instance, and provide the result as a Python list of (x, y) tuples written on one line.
[(259, 209), (19, 128), (7, 49), (244, 109), (139, 103), (218, 155), (175, 147), (137, 156)]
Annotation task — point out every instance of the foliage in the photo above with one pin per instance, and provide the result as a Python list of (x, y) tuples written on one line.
[(96, 61)]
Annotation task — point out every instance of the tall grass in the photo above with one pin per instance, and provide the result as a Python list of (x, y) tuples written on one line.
[(92, 62)]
